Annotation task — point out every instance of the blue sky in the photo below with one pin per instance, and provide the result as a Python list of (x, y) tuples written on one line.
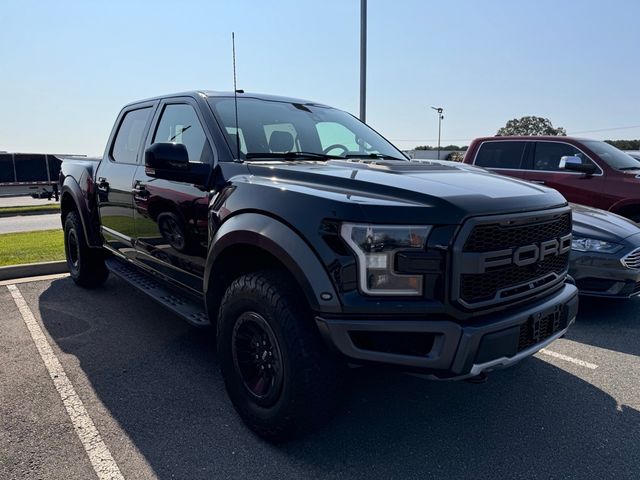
[(68, 67)]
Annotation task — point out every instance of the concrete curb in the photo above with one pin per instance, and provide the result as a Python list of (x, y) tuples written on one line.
[(28, 213), (33, 270)]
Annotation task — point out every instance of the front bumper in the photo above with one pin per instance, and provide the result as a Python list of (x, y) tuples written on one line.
[(452, 350), (603, 275)]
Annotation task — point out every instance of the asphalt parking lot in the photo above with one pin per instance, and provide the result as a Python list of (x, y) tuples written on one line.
[(150, 385)]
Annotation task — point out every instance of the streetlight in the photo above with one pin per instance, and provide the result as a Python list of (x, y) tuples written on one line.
[(440, 118), (363, 60)]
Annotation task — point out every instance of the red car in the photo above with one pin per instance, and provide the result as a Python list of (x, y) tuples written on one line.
[(589, 172)]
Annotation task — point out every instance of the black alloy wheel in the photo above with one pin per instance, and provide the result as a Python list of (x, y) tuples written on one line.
[(86, 265), (257, 358)]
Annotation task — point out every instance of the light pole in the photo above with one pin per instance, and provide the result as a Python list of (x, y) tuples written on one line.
[(440, 118), (363, 60)]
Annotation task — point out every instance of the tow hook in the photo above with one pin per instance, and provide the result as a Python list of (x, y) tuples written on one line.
[(480, 378)]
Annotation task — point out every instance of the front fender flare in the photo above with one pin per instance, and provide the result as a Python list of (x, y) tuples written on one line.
[(283, 243)]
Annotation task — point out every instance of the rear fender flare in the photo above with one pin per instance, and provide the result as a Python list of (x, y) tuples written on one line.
[(71, 188)]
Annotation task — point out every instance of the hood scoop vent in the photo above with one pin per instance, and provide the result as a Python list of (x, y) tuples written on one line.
[(391, 166)]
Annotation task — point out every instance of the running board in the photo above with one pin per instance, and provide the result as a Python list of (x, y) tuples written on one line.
[(188, 309)]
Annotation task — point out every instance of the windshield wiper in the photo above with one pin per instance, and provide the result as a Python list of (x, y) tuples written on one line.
[(290, 155), (629, 168), (373, 155)]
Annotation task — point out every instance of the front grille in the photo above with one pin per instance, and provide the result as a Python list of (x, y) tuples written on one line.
[(632, 260), (508, 282), (486, 238), (484, 286), (538, 329)]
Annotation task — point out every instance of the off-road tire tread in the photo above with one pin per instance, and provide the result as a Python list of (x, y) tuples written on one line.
[(315, 372), (93, 271)]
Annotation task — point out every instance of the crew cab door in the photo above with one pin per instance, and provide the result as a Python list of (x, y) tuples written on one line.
[(543, 168), (114, 177), (171, 224)]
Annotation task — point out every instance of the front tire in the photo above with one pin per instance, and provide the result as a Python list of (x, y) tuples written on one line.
[(86, 265), (280, 376)]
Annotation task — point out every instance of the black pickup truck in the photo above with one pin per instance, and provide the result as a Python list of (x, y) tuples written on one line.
[(308, 242)]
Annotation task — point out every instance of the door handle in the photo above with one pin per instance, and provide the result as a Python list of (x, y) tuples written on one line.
[(140, 189), (103, 184), (539, 182)]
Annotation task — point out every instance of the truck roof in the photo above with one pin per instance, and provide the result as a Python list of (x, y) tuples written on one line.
[(211, 93), (531, 137)]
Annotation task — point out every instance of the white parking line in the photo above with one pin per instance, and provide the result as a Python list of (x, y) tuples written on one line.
[(567, 358), (99, 455)]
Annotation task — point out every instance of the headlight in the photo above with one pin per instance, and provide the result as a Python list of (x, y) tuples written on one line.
[(375, 247), (582, 244)]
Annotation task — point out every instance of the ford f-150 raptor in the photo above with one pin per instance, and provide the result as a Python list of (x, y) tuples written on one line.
[(307, 242)]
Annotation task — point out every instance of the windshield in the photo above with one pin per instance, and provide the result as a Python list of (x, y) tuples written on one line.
[(615, 158), (275, 127)]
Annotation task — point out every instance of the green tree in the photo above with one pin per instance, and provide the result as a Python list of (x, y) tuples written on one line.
[(455, 157), (625, 144), (531, 126), (446, 147)]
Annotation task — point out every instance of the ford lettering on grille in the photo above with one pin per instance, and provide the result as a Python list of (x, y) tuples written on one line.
[(510, 258), (480, 262)]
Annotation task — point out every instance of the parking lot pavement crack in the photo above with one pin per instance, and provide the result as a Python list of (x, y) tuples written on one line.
[(99, 455)]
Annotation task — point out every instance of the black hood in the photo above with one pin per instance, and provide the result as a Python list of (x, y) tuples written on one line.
[(378, 187), (601, 225)]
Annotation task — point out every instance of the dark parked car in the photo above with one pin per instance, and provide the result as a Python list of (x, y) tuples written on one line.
[(605, 249), (588, 172), (605, 253)]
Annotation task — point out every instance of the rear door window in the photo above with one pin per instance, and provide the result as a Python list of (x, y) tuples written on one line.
[(506, 154), (547, 155), (129, 137)]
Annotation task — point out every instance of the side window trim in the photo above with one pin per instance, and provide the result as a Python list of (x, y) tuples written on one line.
[(112, 139), (533, 153), (157, 117), (527, 158)]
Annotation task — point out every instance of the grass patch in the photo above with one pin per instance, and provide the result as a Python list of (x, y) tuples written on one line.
[(29, 210), (31, 247)]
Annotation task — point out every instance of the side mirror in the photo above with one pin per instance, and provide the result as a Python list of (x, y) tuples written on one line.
[(575, 164), (163, 159)]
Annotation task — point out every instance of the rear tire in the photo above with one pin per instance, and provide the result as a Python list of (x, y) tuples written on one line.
[(86, 265), (281, 378)]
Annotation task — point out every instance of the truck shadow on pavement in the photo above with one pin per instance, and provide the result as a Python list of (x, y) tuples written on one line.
[(610, 324), (159, 381)]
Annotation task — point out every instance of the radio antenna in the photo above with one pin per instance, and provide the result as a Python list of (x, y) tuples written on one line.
[(235, 93)]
